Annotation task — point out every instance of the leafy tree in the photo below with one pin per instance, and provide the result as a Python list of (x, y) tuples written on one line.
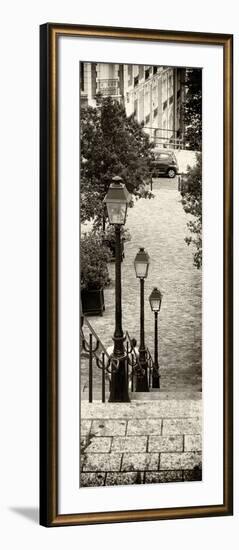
[(111, 144), (193, 109), (191, 193)]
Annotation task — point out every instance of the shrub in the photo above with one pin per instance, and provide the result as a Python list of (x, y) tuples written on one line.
[(109, 234), (94, 257), (192, 204)]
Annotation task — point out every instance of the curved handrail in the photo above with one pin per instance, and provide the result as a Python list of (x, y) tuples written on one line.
[(107, 363)]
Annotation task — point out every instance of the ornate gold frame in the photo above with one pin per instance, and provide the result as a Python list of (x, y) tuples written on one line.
[(49, 34)]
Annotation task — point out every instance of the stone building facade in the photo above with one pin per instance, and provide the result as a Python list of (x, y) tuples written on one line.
[(103, 78), (153, 94)]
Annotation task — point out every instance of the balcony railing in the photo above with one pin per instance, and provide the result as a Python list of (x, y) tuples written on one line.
[(108, 86)]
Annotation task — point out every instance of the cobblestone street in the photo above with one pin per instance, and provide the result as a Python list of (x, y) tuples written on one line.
[(159, 225)]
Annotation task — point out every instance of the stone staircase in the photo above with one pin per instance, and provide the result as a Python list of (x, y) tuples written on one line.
[(141, 442), (173, 381), (172, 384)]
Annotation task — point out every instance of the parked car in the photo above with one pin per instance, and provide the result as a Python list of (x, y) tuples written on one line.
[(164, 163)]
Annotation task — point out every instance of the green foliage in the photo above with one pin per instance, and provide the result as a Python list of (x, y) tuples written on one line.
[(93, 262), (111, 144), (193, 109), (109, 234), (192, 204)]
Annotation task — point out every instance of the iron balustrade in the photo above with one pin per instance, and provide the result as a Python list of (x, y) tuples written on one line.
[(93, 349), (138, 369), (95, 352)]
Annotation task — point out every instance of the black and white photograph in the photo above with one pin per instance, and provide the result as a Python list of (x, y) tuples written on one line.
[(119, 275), (136, 275), (141, 265)]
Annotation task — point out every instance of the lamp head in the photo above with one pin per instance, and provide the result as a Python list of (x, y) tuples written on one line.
[(141, 264), (117, 200), (155, 300)]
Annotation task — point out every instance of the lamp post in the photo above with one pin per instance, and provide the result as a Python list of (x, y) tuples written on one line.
[(141, 265), (155, 300), (117, 200)]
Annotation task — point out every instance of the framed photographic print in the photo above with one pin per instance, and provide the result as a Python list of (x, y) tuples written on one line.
[(136, 300)]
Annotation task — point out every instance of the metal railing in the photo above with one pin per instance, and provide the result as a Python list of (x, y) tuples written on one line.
[(92, 348), (165, 137), (172, 143), (135, 366), (97, 355), (150, 368)]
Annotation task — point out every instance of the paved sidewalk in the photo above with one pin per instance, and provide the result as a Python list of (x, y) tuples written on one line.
[(141, 441)]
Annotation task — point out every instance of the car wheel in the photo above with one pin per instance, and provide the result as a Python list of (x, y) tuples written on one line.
[(171, 173)]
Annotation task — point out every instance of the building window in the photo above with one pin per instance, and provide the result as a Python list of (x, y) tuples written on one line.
[(141, 106), (108, 86), (147, 119), (155, 68), (155, 112), (130, 75), (154, 96), (165, 105), (147, 73), (141, 72), (82, 77), (171, 100), (146, 102), (136, 80), (164, 87), (171, 121)]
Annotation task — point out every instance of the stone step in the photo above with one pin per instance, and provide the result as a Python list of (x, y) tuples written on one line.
[(146, 410), (153, 395), (158, 395)]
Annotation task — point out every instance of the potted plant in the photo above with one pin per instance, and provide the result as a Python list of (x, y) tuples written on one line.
[(109, 240), (94, 257)]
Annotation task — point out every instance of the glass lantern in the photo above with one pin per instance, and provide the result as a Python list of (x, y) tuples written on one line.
[(141, 264), (155, 300), (117, 200)]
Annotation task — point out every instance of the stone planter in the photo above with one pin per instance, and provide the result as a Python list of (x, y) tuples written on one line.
[(92, 301)]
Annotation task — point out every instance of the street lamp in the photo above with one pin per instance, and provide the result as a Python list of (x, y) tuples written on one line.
[(141, 265), (117, 200), (155, 300)]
